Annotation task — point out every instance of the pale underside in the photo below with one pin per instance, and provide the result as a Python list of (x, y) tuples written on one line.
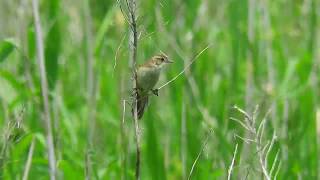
[(147, 78)]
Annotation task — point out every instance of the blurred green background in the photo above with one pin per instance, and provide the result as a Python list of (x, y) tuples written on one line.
[(262, 52)]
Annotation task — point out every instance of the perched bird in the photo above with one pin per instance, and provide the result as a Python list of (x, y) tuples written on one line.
[(147, 77)]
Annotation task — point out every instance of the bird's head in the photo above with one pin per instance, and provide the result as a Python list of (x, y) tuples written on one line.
[(160, 60)]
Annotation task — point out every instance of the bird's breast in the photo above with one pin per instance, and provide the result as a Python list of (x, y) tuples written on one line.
[(147, 78)]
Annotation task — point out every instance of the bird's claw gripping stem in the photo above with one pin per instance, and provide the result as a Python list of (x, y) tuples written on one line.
[(155, 91), (135, 91)]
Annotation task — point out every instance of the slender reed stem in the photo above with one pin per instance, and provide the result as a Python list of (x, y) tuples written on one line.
[(29, 161), (199, 154), (232, 162), (44, 90), (133, 43)]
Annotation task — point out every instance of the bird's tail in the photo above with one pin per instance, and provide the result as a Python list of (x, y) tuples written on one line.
[(141, 104)]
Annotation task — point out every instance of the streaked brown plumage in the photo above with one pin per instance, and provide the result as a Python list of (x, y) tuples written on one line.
[(147, 77)]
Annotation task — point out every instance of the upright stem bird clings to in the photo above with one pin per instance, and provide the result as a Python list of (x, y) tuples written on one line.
[(147, 77)]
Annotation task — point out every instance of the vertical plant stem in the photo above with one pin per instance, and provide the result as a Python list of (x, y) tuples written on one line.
[(44, 90), (249, 75), (23, 41), (232, 162), (123, 129), (87, 165), (269, 55), (29, 161), (249, 83), (123, 142), (199, 154), (133, 43), (90, 71), (183, 141), (91, 98)]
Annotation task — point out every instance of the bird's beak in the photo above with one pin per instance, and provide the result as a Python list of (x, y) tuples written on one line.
[(168, 61)]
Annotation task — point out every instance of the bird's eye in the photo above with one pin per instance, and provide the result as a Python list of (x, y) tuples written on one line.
[(162, 59)]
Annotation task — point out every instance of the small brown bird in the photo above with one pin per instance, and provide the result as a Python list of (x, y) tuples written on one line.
[(147, 77)]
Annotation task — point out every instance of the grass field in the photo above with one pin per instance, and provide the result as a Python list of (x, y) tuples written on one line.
[(247, 108)]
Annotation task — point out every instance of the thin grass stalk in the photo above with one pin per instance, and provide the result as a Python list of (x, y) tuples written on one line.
[(183, 140), (232, 162), (90, 71), (44, 91), (133, 44), (199, 154), (29, 161)]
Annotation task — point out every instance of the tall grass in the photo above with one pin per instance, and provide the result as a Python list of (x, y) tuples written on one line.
[(262, 53)]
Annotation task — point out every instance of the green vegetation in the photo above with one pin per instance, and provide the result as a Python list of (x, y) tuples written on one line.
[(262, 54)]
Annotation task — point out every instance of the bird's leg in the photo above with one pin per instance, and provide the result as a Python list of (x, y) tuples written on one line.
[(155, 91), (135, 91)]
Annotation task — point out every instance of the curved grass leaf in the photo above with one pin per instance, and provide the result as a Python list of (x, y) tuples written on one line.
[(6, 48)]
